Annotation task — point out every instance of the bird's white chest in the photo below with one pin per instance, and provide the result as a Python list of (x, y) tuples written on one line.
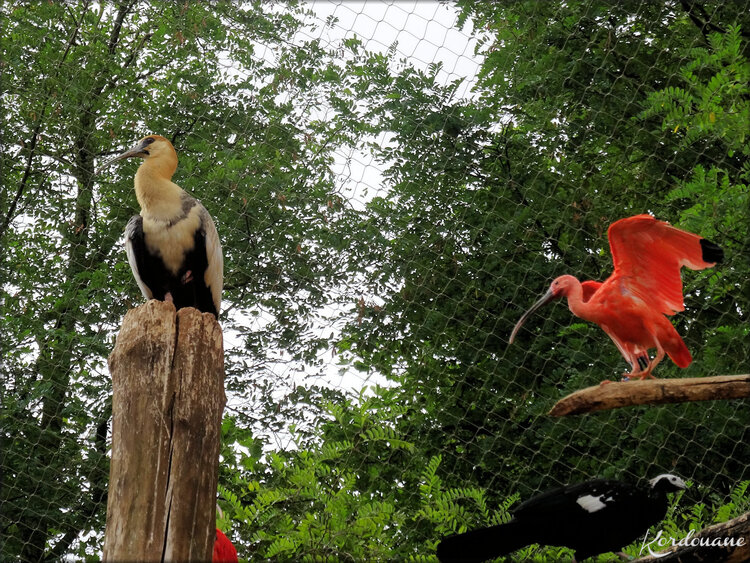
[(171, 240)]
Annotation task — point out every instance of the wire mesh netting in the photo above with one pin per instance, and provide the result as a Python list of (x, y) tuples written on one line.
[(394, 184)]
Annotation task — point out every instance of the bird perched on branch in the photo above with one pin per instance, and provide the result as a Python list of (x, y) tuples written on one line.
[(172, 246), (592, 517), (630, 305)]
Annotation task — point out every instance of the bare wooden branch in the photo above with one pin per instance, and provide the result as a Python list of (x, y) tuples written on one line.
[(728, 542), (653, 392), (168, 397)]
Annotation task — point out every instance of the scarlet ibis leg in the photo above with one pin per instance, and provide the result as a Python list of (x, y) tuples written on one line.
[(646, 373)]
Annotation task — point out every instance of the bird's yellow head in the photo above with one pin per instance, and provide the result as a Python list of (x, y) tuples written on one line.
[(156, 150)]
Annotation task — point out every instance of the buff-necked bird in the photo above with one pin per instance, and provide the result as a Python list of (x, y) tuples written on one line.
[(173, 247)]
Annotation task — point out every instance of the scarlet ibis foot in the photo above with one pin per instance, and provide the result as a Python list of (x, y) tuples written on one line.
[(639, 375)]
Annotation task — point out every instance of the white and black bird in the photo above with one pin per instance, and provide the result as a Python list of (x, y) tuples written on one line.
[(172, 246), (592, 517)]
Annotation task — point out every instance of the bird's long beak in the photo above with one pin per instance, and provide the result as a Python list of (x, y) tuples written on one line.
[(546, 298), (138, 150)]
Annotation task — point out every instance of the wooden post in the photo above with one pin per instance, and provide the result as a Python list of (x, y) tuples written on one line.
[(168, 397)]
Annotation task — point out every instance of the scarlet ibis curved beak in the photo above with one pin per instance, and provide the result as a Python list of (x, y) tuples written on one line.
[(546, 298)]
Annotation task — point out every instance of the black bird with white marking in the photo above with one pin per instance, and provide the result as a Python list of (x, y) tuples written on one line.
[(172, 246), (592, 517)]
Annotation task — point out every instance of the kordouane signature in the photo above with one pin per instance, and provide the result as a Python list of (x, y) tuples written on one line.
[(663, 542)]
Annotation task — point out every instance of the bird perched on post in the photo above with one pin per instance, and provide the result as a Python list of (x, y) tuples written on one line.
[(592, 517), (172, 246), (630, 305)]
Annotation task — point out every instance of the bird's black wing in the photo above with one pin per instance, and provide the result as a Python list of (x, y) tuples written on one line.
[(591, 517), (214, 274), (562, 500), (141, 262), (201, 288)]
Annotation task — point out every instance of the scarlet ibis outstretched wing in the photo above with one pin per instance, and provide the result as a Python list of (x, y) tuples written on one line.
[(648, 255)]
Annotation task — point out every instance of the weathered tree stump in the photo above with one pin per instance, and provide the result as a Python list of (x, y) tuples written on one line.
[(653, 392), (728, 542), (168, 397)]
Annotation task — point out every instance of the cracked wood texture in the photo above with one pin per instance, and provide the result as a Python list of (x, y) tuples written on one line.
[(168, 397), (653, 392)]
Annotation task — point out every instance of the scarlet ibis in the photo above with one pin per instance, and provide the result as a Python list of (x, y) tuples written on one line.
[(172, 246), (592, 517), (630, 305), (224, 551)]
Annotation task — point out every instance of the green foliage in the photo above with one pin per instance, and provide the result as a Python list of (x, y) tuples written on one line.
[(80, 82), (584, 112), (455, 511), (314, 504), (714, 99), (306, 505), (521, 186)]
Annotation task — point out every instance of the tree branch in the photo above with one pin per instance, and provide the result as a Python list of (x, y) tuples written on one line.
[(704, 25), (653, 392), (24, 180), (114, 37)]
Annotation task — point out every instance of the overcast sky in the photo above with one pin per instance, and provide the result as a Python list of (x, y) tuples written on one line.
[(425, 32)]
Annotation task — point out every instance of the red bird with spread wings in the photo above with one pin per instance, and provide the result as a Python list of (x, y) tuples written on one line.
[(630, 305)]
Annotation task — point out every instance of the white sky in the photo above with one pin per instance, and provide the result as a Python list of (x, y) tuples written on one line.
[(425, 33)]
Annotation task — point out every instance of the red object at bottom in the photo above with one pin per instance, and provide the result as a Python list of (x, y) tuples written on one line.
[(224, 551)]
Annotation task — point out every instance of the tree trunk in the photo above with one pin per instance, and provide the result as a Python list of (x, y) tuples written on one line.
[(168, 398)]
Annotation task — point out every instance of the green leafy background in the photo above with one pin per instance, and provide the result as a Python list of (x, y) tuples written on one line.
[(583, 112)]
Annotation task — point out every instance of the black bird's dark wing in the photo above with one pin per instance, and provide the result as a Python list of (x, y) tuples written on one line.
[(592, 517), (147, 270), (580, 498)]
